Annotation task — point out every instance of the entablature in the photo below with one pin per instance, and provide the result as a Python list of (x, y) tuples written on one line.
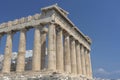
[(25, 22)]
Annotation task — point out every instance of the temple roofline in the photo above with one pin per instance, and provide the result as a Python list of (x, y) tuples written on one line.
[(64, 13)]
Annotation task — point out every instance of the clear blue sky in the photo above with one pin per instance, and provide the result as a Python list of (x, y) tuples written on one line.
[(99, 19)]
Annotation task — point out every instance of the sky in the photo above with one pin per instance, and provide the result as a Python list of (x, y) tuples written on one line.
[(99, 19)]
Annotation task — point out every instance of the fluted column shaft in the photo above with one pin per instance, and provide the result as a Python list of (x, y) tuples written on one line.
[(43, 46), (83, 60), (51, 47), (36, 59), (59, 56), (67, 62), (86, 63), (21, 51), (7, 54), (90, 66), (73, 57), (78, 57)]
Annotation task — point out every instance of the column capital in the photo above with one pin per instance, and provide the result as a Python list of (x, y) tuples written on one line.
[(44, 30), (85, 47), (72, 38), (77, 42), (40, 26), (54, 23), (11, 32), (59, 29), (82, 45), (24, 30), (65, 33), (89, 51)]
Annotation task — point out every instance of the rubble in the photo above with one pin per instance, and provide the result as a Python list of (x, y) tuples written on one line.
[(37, 76)]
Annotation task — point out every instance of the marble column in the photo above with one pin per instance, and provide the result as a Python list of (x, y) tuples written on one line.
[(36, 59), (43, 46), (52, 47), (59, 54), (21, 51), (67, 62), (73, 56), (7, 54), (86, 63), (78, 58), (90, 66), (83, 60)]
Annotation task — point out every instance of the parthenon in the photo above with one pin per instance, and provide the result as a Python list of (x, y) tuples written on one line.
[(68, 49)]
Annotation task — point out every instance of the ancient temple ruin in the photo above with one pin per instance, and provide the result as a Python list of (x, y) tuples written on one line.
[(68, 49)]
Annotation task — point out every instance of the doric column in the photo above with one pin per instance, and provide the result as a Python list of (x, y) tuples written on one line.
[(90, 66), (21, 52), (59, 56), (86, 63), (43, 46), (36, 59), (67, 62), (83, 60), (52, 47), (78, 57), (7, 54), (73, 56)]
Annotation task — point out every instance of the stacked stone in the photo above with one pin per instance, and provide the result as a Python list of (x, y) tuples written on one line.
[(68, 49)]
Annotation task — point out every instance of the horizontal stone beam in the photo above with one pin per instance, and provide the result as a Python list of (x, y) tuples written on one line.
[(20, 21), (28, 22)]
